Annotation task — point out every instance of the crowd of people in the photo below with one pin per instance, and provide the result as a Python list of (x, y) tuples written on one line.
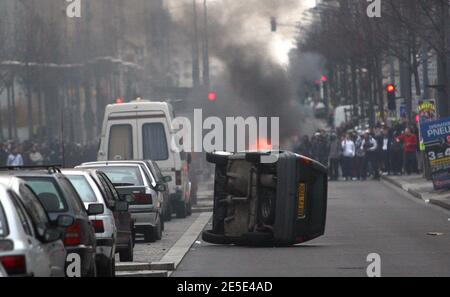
[(38, 153), (358, 155)]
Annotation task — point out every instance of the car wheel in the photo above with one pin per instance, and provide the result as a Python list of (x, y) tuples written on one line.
[(157, 230), (181, 210), (106, 269), (148, 234), (211, 237), (126, 255), (92, 270), (189, 209), (169, 212)]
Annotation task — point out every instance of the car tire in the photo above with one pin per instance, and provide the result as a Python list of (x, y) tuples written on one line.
[(189, 209), (162, 223), (106, 269), (92, 270), (148, 234), (169, 212), (256, 239), (181, 210), (157, 230), (214, 238), (126, 255)]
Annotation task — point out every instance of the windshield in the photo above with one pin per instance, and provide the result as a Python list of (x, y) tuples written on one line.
[(123, 175), (48, 193), (83, 188), (3, 222)]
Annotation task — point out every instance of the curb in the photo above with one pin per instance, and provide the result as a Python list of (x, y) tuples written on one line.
[(416, 194), (183, 245), (142, 273), (170, 262)]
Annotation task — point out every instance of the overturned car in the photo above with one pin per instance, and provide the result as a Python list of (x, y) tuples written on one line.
[(267, 204)]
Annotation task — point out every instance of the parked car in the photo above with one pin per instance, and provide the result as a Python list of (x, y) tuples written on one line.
[(114, 228), (131, 182), (143, 130), (155, 179), (30, 245), (59, 197)]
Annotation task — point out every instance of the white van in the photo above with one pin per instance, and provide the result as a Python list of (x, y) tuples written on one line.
[(142, 130)]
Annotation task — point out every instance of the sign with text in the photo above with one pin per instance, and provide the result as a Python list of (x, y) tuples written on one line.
[(436, 138), (426, 111)]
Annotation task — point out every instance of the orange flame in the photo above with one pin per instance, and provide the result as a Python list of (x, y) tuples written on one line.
[(262, 145)]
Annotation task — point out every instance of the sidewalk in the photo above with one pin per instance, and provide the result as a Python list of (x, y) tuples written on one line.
[(420, 188)]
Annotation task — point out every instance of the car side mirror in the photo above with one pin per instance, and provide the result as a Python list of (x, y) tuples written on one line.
[(167, 179), (52, 234), (161, 188), (121, 206), (65, 221), (95, 209)]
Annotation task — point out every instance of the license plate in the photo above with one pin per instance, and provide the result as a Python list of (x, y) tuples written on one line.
[(301, 200)]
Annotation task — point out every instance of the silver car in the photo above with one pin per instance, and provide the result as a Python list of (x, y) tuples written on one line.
[(131, 181), (30, 245)]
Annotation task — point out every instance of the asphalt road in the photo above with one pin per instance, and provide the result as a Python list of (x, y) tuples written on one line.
[(363, 218)]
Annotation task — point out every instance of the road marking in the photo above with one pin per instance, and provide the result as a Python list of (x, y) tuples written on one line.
[(182, 246)]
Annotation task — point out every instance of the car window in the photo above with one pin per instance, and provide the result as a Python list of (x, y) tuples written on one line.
[(24, 221), (48, 193), (34, 209), (154, 142), (123, 174), (149, 175), (71, 194), (3, 223), (82, 186), (111, 187), (109, 195), (157, 171), (120, 145)]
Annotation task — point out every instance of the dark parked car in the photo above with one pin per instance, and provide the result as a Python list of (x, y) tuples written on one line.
[(114, 228), (157, 181), (59, 197)]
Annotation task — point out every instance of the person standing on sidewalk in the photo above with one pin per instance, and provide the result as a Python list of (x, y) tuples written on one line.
[(334, 156), (409, 141), (348, 154)]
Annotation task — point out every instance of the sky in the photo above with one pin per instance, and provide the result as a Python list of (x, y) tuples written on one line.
[(249, 22)]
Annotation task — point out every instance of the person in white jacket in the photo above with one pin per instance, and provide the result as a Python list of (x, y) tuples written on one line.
[(348, 154)]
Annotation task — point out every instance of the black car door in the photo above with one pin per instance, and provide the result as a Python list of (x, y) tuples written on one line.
[(122, 218)]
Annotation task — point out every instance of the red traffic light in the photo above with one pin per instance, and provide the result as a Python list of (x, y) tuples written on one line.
[(212, 96), (119, 101), (324, 78), (390, 88)]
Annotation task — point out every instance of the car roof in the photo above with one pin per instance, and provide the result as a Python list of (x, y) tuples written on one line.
[(107, 164), (40, 172), (10, 181), (77, 171), (118, 162)]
